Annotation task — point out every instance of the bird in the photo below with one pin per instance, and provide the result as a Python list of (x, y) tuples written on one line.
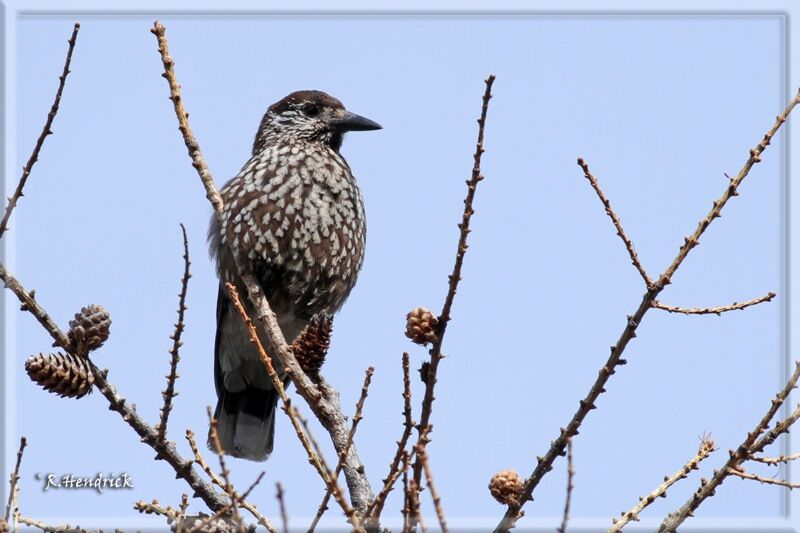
[(294, 216)]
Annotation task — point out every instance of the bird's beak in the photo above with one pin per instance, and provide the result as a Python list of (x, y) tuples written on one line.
[(352, 122)]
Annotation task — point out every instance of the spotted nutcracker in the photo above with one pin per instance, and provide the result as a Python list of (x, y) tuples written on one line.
[(295, 216)]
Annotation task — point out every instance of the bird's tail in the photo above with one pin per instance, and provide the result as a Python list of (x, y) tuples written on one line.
[(246, 423)]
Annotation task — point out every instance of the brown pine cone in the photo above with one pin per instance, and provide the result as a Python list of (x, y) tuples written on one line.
[(421, 326), (505, 486), (90, 329), (311, 346), (63, 374)]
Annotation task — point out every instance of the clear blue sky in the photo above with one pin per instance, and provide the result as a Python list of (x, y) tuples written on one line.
[(659, 107)]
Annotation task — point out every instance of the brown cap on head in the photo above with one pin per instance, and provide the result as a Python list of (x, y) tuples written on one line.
[(300, 97)]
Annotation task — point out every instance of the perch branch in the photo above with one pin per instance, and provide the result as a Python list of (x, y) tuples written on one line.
[(570, 486), (322, 398), (12, 491), (751, 445), (617, 224), (343, 456), (706, 448), (557, 447), (313, 457), (454, 278), (763, 480), (735, 306), (376, 507), (169, 393), (26, 170)]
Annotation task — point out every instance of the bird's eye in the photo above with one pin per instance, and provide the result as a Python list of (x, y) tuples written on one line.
[(310, 110)]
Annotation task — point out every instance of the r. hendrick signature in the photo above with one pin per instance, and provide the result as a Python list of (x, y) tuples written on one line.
[(99, 482)]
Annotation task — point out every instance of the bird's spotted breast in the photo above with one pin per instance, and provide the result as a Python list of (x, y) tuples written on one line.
[(296, 212)]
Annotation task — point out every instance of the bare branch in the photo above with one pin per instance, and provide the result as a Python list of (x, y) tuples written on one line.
[(46, 130), (437, 501), (740, 472), (182, 513), (66, 528), (751, 445), (12, 504), (617, 224), (558, 446), (233, 503), (735, 306), (343, 456), (776, 460), (321, 397), (454, 278), (706, 448), (376, 507), (156, 508), (201, 461), (570, 486), (282, 504), (169, 393)]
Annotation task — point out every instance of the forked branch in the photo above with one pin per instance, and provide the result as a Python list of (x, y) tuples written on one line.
[(615, 359)]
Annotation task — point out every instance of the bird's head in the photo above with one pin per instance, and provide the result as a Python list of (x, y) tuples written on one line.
[(311, 116)]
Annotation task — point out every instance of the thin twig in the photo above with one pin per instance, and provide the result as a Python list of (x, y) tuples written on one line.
[(66, 528), (776, 460), (182, 513), (15, 478), (343, 456), (558, 446), (570, 486), (233, 503), (282, 505), (156, 508), (764, 480), (406, 510), (321, 397), (735, 306), (751, 445), (310, 436), (617, 224), (201, 461), (313, 457), (169, 393), (454, 278), (706, 448), (376, 507), (46, 130), (437, 501)]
